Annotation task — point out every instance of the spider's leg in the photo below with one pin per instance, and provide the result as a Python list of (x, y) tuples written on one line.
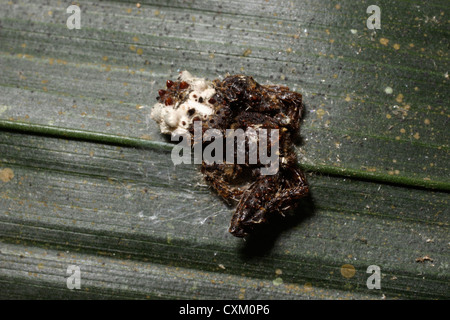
[(267, 195), (251, 210), (294, 187)]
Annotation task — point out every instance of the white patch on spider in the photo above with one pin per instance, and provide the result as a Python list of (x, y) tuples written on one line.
[(174, 119), (285, 120)]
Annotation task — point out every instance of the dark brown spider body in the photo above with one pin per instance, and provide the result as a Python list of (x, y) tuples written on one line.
[(239, 102)]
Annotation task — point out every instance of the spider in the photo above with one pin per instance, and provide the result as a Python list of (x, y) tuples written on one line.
[(239, 102)]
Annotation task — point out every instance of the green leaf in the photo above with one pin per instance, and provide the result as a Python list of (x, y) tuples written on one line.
[(92, 183)]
